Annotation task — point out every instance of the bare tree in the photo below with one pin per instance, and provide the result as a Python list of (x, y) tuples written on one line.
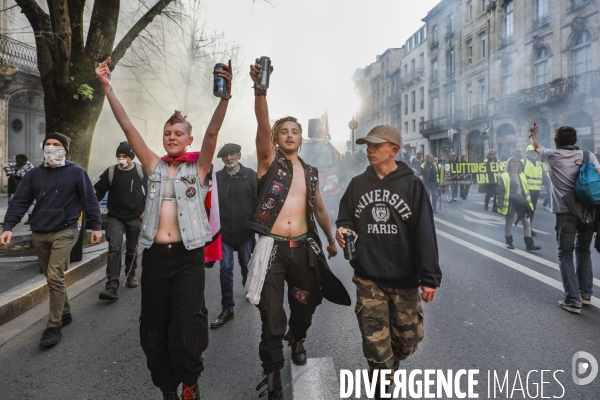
[(73, 97), (175, 57)]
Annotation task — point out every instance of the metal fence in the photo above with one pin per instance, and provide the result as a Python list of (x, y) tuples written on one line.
[(21, 55)]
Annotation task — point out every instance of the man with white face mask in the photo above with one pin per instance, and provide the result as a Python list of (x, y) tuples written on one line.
[(126, 185), (59, 188)]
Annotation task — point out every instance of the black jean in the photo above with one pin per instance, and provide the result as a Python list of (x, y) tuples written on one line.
[(174, 325), (491, 193), (535, 195), (464, 191), (290, 265), (114, 235)]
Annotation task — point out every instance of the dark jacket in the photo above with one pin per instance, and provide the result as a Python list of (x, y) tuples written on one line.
[(60, 193), (237, 197), (126, 194), (396, 241)]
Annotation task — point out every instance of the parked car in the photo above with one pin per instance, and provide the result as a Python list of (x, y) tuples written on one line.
[(320, 153)]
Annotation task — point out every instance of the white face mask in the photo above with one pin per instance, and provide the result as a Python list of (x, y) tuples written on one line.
[(123, 162), (54, 156)]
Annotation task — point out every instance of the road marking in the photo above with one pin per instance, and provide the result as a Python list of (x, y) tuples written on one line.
[(316, 380), (483, 222), (487, 218), (543, 261), (516, 266)]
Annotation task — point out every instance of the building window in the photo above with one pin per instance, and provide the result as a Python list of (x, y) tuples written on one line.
[(413, 101), (483, 47), (435, 70), (482, 2), (507, 83), (469, 51), (469, 99), (406, 127), (435, 110), (450, 23), (508, 21), (422, 120), (414, 125), (412, 65), (405, 104), (541, 8), (582, 53), (469, 11), (435, 34), (482, 94), (422, 95), (450, 62), (540, 67), (421, 61)]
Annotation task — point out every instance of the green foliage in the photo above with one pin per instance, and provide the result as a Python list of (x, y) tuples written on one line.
[(84, 92)]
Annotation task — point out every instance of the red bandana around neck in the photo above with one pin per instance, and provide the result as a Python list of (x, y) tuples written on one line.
[(185, 157)]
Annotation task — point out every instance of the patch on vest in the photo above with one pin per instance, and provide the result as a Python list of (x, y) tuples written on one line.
[(301, 295), (269, 203), (262, 215), (276, 188), (190, 192)]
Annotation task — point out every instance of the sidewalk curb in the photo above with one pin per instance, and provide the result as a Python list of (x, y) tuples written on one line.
[(31, 293)]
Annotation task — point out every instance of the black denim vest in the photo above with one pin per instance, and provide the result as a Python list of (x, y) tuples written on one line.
[(273, 188)]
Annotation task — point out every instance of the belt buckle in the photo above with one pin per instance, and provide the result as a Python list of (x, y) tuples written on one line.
[(294, 243)]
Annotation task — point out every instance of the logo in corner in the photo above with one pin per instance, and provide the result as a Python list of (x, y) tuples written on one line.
[(582, 363)]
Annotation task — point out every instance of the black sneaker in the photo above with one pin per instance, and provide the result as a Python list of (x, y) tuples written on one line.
[(50, 337), (66, 320), (569, 306), (109, 294), (171, 395), (298, 353)]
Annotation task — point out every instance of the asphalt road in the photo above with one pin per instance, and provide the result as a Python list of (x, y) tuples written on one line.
[(496, 311)]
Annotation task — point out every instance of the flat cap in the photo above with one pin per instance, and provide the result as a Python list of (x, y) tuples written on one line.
[(228, 149)]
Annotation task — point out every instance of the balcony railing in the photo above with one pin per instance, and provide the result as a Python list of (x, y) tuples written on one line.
[(436, 124), (579, 3), (584, 84), (541, 21), (21, 55), (505, 40), (415, 76), (473, 113)]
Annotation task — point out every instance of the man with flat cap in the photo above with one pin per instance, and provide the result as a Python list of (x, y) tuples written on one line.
[(388, 211), (236, 186), (126, 184)]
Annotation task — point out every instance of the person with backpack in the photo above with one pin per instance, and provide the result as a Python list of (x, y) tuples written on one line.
[(572, 233), (126, 184)]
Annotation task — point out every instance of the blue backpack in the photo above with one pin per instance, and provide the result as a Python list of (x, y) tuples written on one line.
[(587, 186)]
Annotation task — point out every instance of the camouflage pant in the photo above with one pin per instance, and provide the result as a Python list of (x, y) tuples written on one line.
[(390, 321)]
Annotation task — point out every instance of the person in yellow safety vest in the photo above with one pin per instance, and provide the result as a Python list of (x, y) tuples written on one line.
[(490, 189), (513, 198), (534, 173), (431, 179)]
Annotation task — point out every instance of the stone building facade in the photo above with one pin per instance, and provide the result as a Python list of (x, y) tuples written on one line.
[(497, 66)]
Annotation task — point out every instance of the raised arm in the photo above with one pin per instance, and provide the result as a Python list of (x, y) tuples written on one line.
[(534, 140), (146, 156), (209, 143), (264, 148)]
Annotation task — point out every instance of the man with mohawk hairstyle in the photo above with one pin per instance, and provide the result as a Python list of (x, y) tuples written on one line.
[(173, 324), (289, 249)]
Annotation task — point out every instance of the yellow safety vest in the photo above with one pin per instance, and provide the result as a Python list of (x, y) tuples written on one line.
[(437, 171), (533, 173), (505, 177)]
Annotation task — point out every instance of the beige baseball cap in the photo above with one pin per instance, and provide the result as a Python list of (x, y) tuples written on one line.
[(382, 134)]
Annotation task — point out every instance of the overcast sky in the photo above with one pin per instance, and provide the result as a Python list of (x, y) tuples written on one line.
[(315, 46)]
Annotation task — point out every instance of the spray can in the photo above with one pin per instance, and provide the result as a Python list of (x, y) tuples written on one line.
[(350, 249), (219, 86), (264, 74)]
